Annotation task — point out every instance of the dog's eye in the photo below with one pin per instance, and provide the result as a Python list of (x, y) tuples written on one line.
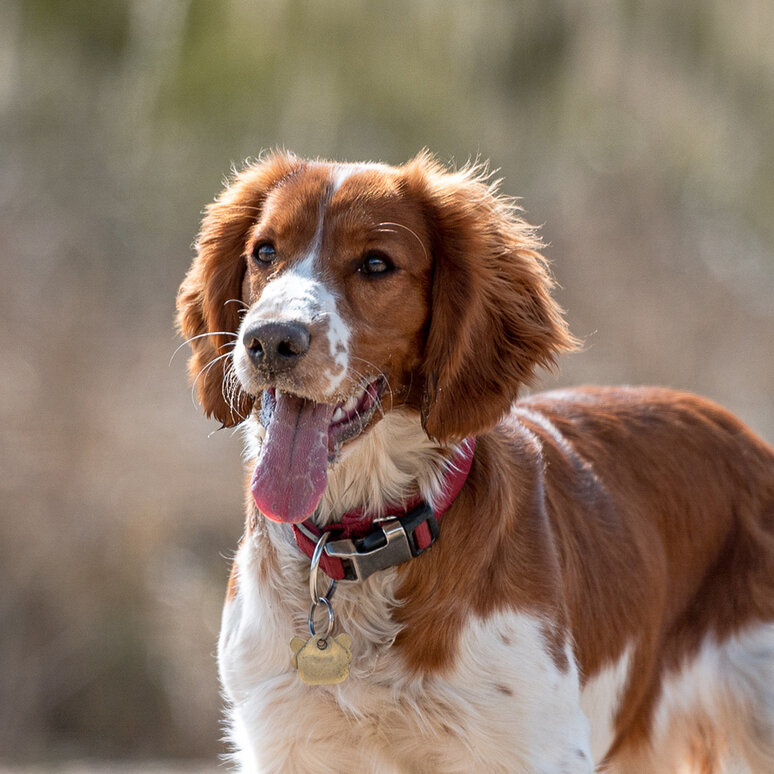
[(264, 252), (375, 263)]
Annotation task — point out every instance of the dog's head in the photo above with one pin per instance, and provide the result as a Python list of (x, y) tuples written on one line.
[(324, 295)]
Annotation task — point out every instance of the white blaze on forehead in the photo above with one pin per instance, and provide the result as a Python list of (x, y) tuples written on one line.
[(341, 172), (294, 295), (300, 295)]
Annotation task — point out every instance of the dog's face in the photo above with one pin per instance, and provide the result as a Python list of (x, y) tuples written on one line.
[(336, 293), (326, 295)]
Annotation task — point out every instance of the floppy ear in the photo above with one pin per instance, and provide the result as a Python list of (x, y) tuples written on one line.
[(208, 300), (493, 320)]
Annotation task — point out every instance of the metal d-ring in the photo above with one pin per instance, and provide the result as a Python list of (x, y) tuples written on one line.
[(331, 619), (316, 556)]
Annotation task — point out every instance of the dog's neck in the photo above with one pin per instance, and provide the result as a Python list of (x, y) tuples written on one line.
[(391, 463)]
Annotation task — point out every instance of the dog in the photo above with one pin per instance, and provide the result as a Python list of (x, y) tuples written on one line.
[(434, 575)]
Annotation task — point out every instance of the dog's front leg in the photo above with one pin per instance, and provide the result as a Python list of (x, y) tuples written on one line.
[(510, 703), (299, 730)]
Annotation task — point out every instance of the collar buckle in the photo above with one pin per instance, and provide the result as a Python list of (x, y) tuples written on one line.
[(393, 543)]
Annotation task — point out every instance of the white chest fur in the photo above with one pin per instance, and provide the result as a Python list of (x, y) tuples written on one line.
[(503, 707)]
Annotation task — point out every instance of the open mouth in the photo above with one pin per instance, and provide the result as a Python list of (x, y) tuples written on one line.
[(352, 416), (302, 438)]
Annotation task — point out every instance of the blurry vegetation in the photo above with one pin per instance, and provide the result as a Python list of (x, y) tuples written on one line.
[(641, 134)]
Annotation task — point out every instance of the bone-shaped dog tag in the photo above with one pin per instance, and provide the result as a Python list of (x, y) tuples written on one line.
[(322, 661)]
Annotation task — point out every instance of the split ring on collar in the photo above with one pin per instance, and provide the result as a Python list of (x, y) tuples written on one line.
[(316, 556), (331, 618)]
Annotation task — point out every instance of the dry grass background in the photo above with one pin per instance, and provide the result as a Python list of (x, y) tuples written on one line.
[(640, 134)]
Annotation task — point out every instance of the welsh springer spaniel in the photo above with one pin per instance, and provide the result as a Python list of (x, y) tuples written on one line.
[(581, 580)]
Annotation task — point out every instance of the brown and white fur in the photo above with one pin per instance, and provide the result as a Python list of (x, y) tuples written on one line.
[(601, 596)]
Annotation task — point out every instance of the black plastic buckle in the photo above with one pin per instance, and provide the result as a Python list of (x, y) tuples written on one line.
[(423, 513)]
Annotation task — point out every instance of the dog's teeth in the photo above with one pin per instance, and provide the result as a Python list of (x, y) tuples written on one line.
[(349, 405)]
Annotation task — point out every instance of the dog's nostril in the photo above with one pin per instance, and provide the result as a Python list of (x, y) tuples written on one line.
[(255, 347), (285, 349)]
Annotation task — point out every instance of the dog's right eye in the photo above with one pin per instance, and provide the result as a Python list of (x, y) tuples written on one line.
[(375, 263), (264, 252)]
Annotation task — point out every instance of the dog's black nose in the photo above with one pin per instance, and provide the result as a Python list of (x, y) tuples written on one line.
[(276, 346)]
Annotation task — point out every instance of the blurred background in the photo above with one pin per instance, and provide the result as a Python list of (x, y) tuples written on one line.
[(639, 134)]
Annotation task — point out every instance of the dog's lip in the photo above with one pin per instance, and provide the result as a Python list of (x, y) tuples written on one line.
[(358, 404), (351, 417), (350, 414)]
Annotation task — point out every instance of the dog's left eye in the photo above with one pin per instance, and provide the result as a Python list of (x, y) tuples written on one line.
[(375, 263), (264, 252)]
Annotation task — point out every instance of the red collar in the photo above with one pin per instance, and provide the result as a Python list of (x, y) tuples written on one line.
[(360, 544)]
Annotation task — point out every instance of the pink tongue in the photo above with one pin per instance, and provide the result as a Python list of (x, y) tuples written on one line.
[(292, 470)]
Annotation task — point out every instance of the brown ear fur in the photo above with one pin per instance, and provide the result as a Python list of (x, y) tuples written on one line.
[(493, 320), (215, 278)]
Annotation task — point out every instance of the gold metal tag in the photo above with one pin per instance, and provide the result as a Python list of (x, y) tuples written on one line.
[(322, 661)]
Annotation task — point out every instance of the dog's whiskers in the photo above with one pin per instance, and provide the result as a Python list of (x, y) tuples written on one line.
[(380, 373), (237, 301), (202, 336), (231, 388), (203, 371), (405, 228)]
